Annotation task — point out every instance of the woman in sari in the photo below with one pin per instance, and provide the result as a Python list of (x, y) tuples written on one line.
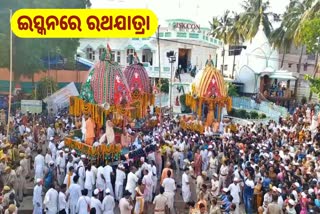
[(258, 194), (197, 163), (139, 206)]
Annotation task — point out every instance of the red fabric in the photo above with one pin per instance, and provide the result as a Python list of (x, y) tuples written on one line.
[(108, 47), (213, 89)]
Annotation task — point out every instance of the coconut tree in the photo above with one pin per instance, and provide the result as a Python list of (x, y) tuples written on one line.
[(279, 39), (298, 13), (235, 36), (255, 12), (220, 27)]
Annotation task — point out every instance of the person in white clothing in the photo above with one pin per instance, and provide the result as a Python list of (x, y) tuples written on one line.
[(51, 201), (154, 177), (37, 197), (68, 180), (108, 203), (126, 203), (101, 180), (160, 202), (169, 190), (223, 175), (120, 177), (82, 174), (234, 189), (132, 180), (50, 132), (108, 171), (89, 180), (83, 128), (48, 158), (186, 192), (62, 203), (83, 204), (214, 185), (95, 202), (73, 194), (39, 165), (61, 167), (53, 149)]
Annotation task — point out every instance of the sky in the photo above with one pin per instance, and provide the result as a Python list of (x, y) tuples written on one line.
[(166, 9)]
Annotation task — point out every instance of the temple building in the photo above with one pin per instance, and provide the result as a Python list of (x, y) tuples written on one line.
[(258, 70), (190, 42)]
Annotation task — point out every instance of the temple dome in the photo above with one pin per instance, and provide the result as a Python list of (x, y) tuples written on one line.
[(259, 57), (259, 54)]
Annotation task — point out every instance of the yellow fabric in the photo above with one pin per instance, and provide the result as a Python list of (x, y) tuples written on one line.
[(69, 179)]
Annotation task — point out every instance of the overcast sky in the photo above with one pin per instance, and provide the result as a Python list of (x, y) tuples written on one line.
[(166, 9)]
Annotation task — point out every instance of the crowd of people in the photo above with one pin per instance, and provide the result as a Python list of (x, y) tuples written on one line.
[(254, 168)]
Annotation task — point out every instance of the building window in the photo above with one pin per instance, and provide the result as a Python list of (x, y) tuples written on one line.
[(130, 54), (115, 56), (118, 56), (289, 65), (225, 67), (235, 49), (305, 67), (90, 54), (101, 50)]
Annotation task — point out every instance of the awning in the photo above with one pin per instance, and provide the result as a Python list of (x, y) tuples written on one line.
[(283, 77)]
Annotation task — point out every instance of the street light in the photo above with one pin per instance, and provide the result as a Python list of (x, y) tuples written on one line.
[(171, 55)]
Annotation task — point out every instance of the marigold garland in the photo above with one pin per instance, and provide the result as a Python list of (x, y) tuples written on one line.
[(195, 103), (103, 150)]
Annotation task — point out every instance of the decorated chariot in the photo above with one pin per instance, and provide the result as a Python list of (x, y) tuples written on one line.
[(208, 97), (111, 98)]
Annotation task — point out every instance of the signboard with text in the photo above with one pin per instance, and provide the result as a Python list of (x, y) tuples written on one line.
[(187, 26), (32, 106)]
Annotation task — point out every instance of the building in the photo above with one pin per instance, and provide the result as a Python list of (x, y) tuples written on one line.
[(286, 62), (190, 42)]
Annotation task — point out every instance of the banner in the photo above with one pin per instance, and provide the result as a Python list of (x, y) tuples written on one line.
[(32, 106), (61, 98)]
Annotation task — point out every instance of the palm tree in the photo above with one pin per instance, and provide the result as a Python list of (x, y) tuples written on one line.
[(236, 36), (297, 14), (255, 12), (220, 27), (279, 39)]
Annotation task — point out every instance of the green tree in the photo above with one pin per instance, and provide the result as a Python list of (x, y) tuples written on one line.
[(44, 86), (232, 90), (281, 37), (311, 38), (235, 35), (314, 84), (220, 27), (255, 12), (280, 40), (311, 35), (28, 53), (298, 13)]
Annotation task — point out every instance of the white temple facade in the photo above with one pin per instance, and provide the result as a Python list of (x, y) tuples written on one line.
[(258, 69), (190, 42)]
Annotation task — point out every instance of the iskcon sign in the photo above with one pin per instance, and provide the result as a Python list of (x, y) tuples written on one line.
[(189, 26)]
